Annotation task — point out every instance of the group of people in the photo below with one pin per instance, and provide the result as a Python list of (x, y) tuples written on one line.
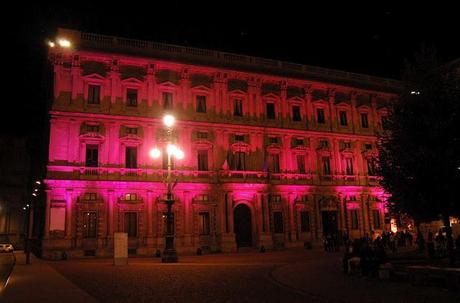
[(435, 245), (364, 254)]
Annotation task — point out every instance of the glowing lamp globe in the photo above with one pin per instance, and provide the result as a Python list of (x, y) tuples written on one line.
[(155, 153), (179, 154), (64, 43), (169, 120)]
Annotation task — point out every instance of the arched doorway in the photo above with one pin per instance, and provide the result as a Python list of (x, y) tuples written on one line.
[(242, 224)]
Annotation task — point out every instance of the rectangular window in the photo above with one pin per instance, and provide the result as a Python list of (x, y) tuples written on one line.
[(203, 160), (204, 223), (94, 94), (300, 164), (354, 219), (131, 97), (202, 135), (239, 138), (296, 113), (298, 142), (376, 217), (326, 166), (323, 143), (90, 196), (343, 118), (131, 224), (201, 104), (278, 224), (90, 224), (92, 128), (270, 107), (370, 167), (384, 122), (239, 161), (304, 221), (92, 154), (349, 163), (131, 197), (131, 157), (275, 163), (273, 140), (167, 101), (238, 108), (131, 130), (346, 144), (364, 120), (320, 116), (368, 146)]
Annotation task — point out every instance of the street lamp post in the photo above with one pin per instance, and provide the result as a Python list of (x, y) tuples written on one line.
[(169, 253)]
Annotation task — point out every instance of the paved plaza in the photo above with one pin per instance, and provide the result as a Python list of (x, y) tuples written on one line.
[(287, 276)]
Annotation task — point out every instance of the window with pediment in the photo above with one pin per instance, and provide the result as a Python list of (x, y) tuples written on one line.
[(326, 164), (296, 116), (270, 110), (131, 130), (300, 160), (349, 165), (200, 104), (274, 162), (343, 117), (238, 107), (320, 116), (202, 159), (273, 140), (371, 166), (364, 120), (167, 100), (323, 143), (131, 157), (94, 94), (92, 155), (131, 97), (238, 161)]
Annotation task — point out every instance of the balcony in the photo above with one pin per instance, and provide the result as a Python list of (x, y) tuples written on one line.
[(223, 176)]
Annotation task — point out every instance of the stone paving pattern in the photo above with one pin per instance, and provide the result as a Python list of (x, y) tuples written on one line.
[(289, 276)]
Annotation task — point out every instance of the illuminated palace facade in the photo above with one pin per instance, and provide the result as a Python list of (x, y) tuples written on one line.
[(276, 154)]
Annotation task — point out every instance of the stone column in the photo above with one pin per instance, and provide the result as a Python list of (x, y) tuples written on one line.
[(292, 220), (68, 213), (110, 222), (150, 79), (228, 243), (47, 214), (188, 219), (332, 114)]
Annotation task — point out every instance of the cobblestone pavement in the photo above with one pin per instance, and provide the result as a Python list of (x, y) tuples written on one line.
[(289, 276), (6, 264)]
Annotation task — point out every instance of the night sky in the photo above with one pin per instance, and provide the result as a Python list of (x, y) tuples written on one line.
[(373, 38)]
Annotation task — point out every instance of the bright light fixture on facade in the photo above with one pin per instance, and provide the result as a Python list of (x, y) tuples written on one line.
[(64, 43), (36, 189), (38, 182), (155, 153), (179, 154), (169, 120), (415, 92), (171, 149), (27, 205), (34, 194), (51, 44)]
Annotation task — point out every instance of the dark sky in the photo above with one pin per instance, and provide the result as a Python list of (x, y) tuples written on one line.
[(373, 38)]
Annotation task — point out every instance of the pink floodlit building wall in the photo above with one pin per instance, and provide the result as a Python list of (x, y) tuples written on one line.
[(296, 154)]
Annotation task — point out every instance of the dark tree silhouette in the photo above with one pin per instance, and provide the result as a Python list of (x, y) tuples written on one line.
[(419, 153)]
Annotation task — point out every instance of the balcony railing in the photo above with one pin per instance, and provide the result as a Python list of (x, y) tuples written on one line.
[(223, 58), (157, 175)]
